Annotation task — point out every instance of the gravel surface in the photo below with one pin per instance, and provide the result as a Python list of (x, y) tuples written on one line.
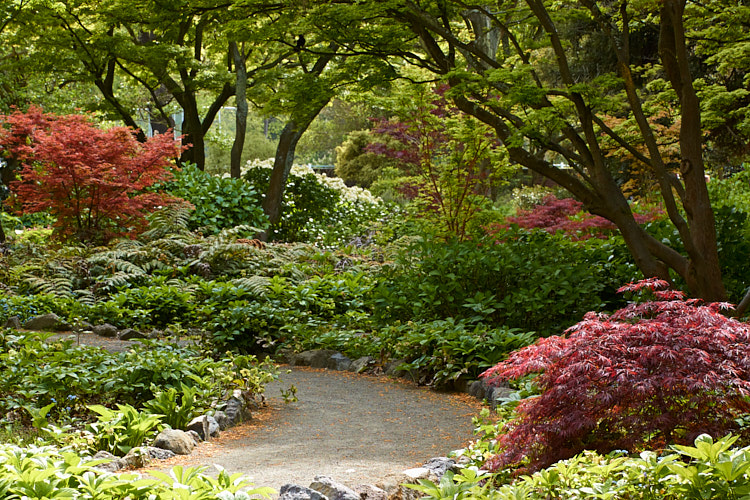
[(354, 428)]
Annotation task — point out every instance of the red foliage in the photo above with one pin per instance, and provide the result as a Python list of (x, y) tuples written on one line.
[(91, 180), (566, 215), (651, 374)]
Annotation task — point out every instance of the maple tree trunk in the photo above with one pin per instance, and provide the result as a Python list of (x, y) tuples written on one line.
[(704, 271)]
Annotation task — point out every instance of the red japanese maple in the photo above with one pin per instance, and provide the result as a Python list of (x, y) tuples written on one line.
[(566, 215), (91, 180), (652, 373)]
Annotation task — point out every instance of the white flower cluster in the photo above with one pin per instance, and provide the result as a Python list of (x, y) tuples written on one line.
[(348, 194)]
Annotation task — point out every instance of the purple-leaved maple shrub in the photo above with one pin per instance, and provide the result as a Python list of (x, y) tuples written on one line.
[(653, 373)]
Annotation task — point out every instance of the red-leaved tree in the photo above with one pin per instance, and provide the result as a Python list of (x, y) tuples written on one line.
[(651, 374), (566, 215), (92, 180)]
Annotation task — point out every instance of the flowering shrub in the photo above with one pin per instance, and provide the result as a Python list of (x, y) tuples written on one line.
[(653, 373), (317, 208)]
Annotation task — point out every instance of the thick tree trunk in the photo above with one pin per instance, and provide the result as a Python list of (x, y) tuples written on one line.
[(192, 134), (704, 273), (241, 111), (290, 136)]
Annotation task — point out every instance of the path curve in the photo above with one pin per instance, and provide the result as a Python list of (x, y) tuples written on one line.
[(354, 428)]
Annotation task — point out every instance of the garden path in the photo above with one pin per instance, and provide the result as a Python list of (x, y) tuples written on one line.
[(354, 428)]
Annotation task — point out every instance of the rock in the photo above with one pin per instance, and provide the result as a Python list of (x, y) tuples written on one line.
[(361, 364), (318, 358), (158, 453), (202, 424), (137, 457), (105, 330), (236, 411), (112, 464), (496, 393), (339, 362), (370, 492), (196, 437), (176, 441), (478, 389), (45, 322), (440, 465), (295, 492), (392, 484), (394, 368), (334, 491), (63, 326), (84, 326), (221, 419), (130, 334), (283, 356), (13, 322)]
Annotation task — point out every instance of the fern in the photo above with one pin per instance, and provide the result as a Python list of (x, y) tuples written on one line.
[(233, 233), (58, 286), (85, 297), (170, 220), (257, 285)]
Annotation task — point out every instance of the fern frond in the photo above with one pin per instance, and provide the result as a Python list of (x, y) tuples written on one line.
[(85, 297), (233, 233), (59, 286), (257, 285), (171, 219)]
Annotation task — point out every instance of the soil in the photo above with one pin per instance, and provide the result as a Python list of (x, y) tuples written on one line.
[(354, 428)]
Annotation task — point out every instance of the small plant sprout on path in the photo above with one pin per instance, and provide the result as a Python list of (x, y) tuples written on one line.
[(654, 373)]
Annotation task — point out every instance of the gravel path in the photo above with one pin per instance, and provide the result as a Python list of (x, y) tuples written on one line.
[(354, 428)]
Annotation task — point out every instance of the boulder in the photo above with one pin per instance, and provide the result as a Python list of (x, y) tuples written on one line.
[(221, 419), (318, 358), (393, 484), (236, 411), (112, 463), (496, 393), (105, 330), (196, 437), (478, 389), (334, 491), (361, 364), (339, 362), (395, 368), (143, 455), (45, 322), (159, 453), (84, 326), (370, 492), (136, 458), (130, 334), (13, 322), (440, 465), (176, 441), (296, 492), (202, 424)]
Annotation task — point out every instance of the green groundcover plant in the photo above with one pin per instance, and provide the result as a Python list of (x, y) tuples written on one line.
[(45, 472), (706, 469)]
